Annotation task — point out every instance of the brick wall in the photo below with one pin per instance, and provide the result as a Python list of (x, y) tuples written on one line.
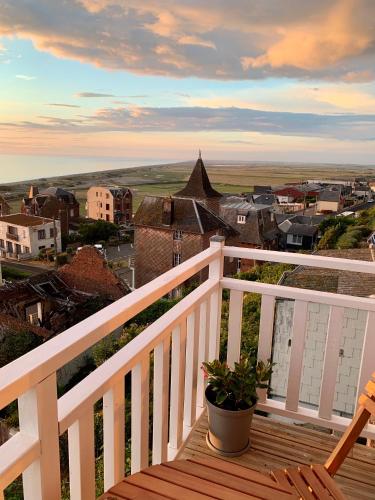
[(154, 249), (349, 361)]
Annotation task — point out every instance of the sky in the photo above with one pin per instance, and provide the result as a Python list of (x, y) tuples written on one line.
[(152, 80)]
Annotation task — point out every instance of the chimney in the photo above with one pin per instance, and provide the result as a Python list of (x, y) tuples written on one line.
[(167, 216)]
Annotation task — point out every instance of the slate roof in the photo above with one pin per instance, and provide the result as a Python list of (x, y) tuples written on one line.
[(262, 189), (187, 215), (24, 220), (258, 227), (329, 195), (291, 227), (198, 185), (265, 199), (59, 193), (335, 281)]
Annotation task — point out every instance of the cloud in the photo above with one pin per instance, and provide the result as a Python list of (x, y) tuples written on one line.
[(26, 77), (241, 39), (357, 127), (62, 105), (93, 94)]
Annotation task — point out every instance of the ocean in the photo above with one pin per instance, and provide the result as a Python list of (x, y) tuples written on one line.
[(14, 168)]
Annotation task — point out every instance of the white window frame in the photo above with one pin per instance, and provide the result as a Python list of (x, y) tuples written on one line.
[(176, 259), (241, 219)]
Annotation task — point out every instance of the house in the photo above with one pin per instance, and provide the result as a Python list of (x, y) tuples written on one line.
[(298, 232), (255, 226), (288, 194), (112, 204), (333, 281), (330, 200), (168, 231), (54, 203), (362, 191), (24, 236), (259, 190), (4, 206)]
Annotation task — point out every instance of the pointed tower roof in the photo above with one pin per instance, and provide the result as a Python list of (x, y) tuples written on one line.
[(198, 185), (33, 191)]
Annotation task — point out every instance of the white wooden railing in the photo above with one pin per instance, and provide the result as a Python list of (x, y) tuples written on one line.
[(179, 341)]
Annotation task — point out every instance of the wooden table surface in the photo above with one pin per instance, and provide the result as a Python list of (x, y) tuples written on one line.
[(199, 479)]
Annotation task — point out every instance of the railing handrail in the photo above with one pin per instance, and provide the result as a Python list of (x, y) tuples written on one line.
[(307, 295), (19, 376), (359, 266)]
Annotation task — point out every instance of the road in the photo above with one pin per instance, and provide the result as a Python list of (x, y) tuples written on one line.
[(27, 268)]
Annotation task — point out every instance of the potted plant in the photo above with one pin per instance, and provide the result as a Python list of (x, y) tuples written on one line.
[(231, 399)]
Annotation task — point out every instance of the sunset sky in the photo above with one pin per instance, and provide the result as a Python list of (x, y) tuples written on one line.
[(157, 79)]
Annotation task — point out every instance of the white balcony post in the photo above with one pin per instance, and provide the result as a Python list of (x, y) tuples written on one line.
[(114, 434), (267, 317), (191, 368), (82, 457), (216, 273), (37, 410), (139, 415), (234, 327)]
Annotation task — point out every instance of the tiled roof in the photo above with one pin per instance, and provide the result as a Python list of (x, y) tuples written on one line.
[(8, 322), (258, 227), (88, 272), (187, 215), (329, 195), (198, 185), (335, 281), (290, 227), (25, 220)]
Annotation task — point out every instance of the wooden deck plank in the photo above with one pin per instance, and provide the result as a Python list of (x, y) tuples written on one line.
[(235, 483), (182, 477), (278, 445)]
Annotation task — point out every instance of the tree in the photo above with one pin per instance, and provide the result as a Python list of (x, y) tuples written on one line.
[(100, 230), (16, 343)]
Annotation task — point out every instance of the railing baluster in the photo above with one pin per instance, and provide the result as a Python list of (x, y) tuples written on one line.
[(367, 358), (191, 371), (202, 351), (37, 410), (234, 327), (139, 415), (82, 457), (177, 386), (296, 355), (160, 402), (114, 434), (331, 362), (216, 273), (267, 318)]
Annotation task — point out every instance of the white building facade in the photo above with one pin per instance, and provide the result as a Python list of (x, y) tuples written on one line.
[(24, 236)]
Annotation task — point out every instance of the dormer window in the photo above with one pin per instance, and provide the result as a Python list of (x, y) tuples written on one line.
[(241, 219)]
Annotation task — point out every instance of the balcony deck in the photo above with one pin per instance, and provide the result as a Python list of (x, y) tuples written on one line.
[(275, 445)]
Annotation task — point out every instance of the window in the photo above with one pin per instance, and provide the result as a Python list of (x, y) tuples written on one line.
[(241, 219), (51, 232), (107, 196), (97, 194), (42, 247), (26, 250), (41, 234), (12, 230), (107, 217), (2, 244), (107, 206), (177, 235), (176, 259), (297, 239)]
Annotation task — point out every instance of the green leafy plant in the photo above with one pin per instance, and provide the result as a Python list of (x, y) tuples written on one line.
[(236, 389)]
